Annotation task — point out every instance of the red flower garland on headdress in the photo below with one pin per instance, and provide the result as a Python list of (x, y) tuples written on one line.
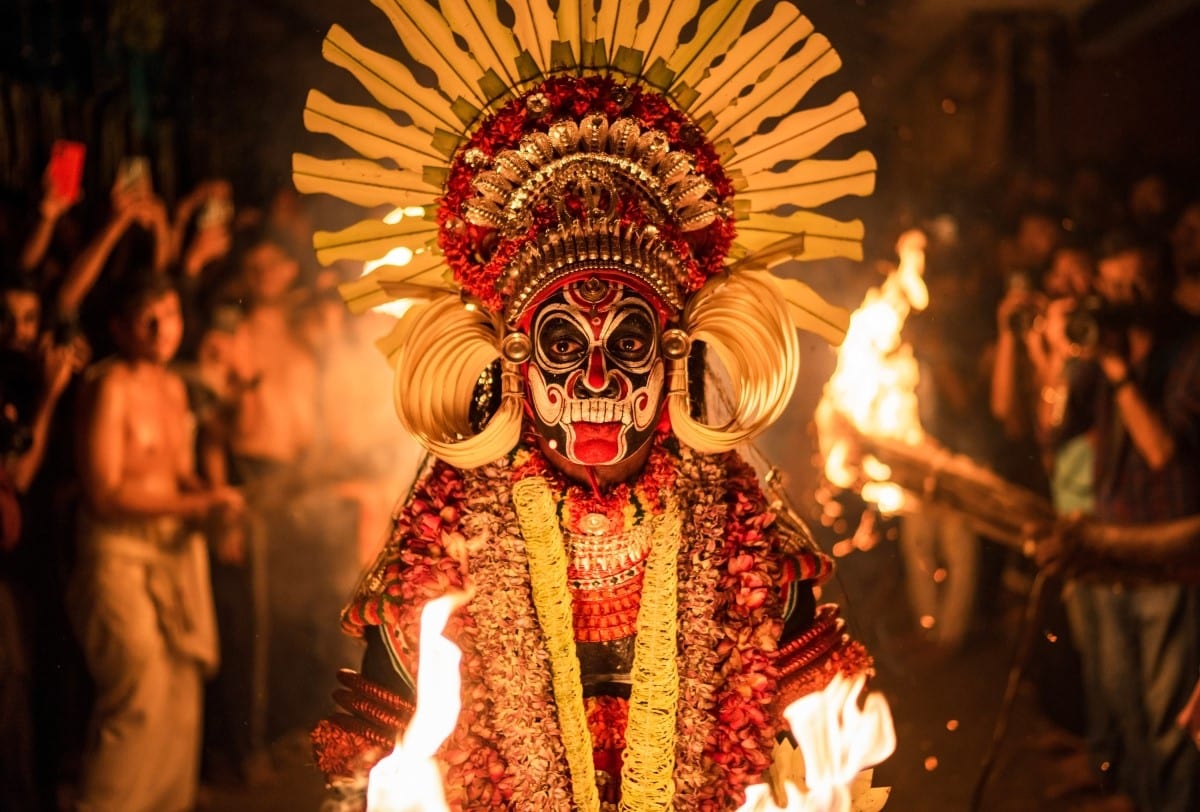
[(478, 257)]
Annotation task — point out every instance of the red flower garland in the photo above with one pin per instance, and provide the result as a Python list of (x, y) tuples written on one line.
[(473, 252), (424, 561), (750, 603)]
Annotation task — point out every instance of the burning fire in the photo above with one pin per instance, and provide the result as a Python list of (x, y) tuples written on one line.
[(873, 388), (838, 743), (409, 779)]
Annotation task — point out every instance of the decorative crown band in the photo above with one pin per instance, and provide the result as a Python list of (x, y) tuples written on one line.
[(595, 246), (597, 166)]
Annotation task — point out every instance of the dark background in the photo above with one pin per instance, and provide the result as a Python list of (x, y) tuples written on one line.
[(217, 87)]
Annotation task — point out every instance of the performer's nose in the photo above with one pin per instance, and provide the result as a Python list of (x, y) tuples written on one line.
[(597, 382)]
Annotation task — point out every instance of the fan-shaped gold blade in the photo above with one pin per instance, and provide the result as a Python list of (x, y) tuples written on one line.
[(615, 23), (492, 44), (823, 237), (535, 28), (390, 282), (369, 132), (755, 53), (428, 37), (390, 82), (570, 24), (811, 312), (372, 239), (361, 182), (776, 95), (800, 135), (719, 26), (659, 33), (812, 183)]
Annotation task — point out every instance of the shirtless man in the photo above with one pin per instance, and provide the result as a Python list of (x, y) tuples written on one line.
[(141, 601), (276, 416), (273, 392)]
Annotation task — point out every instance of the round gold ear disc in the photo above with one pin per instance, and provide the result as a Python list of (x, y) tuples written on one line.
[(516, 348), (675, 344)]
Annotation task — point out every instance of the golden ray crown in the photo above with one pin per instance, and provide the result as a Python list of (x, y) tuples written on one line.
[(709, 159)]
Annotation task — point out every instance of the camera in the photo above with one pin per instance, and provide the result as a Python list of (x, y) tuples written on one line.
[(1095, 323), (1021, 321)]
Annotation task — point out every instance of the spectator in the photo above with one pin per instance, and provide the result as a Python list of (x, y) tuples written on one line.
[(1141, 396), (141, 600), (272, 386)]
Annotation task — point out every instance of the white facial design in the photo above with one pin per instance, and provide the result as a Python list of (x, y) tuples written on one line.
[(596, 376)]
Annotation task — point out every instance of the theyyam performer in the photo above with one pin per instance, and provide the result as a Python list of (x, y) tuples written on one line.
[(589, 280)]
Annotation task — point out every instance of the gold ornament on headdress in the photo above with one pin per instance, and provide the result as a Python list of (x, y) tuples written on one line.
[(623, 195)]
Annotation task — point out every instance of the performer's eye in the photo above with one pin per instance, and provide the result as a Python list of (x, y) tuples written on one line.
[(566, 346), (632, 339), (562, 342)]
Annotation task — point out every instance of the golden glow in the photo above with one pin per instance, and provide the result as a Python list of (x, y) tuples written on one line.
[(887, 496), (409, 779)]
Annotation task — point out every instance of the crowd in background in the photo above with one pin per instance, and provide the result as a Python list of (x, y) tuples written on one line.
[(185, 379), (1062, 348), (199, 456)]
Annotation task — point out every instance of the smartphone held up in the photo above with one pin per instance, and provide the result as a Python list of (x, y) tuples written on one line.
[(65, 172)]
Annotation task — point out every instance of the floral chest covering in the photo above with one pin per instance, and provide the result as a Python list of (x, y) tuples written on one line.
[(516, 744)]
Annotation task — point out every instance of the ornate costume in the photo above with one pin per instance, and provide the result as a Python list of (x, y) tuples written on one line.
[(638, 613)]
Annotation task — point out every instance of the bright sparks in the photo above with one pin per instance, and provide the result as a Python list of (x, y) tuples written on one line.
[(874, 387), (838, 744), (409, 779)]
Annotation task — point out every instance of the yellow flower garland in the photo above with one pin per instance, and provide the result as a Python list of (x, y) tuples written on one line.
[(548, 581), (648, 774), (647, 779)]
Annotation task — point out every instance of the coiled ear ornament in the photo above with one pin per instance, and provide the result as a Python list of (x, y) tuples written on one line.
[(743, 319), (445, 347)]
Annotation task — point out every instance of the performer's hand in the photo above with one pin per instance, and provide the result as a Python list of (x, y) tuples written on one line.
[(209, 245)]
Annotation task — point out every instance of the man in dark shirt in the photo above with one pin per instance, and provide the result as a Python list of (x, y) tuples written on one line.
[(1141, 396)]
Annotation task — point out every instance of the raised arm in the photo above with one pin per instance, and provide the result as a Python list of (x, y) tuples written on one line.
[(1156, 432), (50, 211), (84, 272), (59, 363)]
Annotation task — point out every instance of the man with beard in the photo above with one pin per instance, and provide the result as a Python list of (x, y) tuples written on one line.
[(1141, 395)]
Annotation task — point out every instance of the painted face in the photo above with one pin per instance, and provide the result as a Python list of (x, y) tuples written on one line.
[(595, 379)]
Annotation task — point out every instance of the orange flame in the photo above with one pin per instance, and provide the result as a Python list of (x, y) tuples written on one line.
[(874, 385), (409, 779), (837, 740)]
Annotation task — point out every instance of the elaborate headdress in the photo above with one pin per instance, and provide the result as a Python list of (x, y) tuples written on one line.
[(569, 141)]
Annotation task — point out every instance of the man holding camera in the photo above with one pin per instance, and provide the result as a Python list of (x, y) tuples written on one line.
[(1138, 394)]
